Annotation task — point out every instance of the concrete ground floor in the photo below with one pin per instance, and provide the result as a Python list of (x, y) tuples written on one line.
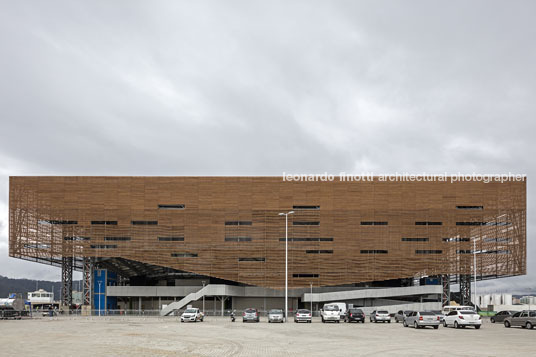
[(218, 336), (213, 304)]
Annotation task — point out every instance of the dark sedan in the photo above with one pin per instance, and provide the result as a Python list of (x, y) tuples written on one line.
[(356, 315), (500, 316)]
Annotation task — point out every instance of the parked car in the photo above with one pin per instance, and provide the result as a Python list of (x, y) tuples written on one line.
[(380, 316), (303, 315), (501, 315), (250, 314), (440, 314), (462, 318), (400, 315), (525, 319), (192, 315), (356, 315), (342, 308), (420, 319), (449, 308), (330, 312), (275, 315)]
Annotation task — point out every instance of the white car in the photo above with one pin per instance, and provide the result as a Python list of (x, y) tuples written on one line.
[(192, 315), (462, 318), (330, 312), (380, 315), (449, 308)]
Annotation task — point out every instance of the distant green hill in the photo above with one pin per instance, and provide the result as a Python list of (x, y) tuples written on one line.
[(8, 285)]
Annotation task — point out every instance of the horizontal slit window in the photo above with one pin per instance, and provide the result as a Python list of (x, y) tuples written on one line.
[(256, 259), (374, 223), (456, 239), (470, 223), (238, 223), (464, 251), (307, 239), (305, 275), (171, 239), (238, 239), (76, 238), (107, 223), (470, 207), (37, 246), (495, 252), (483, 223), (55, 221), (184, 255), (172, 206), (373, 251), (415, 239), (306, 207), (428, 223), (104, 246), (428, 251), (144, 223), (319, 251), (302, 223), (117, 239), (497, 240)]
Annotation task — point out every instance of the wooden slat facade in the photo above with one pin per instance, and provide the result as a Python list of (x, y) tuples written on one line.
[(329, 245)]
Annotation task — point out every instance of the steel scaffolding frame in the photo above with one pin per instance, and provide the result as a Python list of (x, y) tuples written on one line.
[(67, 281), (87, 280), (445, 296), (465, 289)]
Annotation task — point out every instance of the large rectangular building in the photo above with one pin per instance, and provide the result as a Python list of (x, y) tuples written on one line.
[(228, 229)]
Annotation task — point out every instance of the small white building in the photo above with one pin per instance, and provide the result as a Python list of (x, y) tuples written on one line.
[(485, 300), (41, 297), (529, 300)]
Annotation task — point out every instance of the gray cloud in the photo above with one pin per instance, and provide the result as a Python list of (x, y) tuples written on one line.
[(258, 88)]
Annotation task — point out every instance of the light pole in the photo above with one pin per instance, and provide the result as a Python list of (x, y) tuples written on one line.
[(286, 262), (203, 298), (99, 296), (311, 300), (474, 268)]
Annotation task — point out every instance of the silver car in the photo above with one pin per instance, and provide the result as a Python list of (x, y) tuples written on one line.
[(440, 314), (303, 315), (275, 315), (525, 319), (421, 319), (250, 314), (380, 316), (400, 315)]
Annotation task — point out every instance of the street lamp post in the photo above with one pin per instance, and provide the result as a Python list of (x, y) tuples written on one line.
[(99, 296), (203, 298), (286, 262), (311, 299), (474, 268)]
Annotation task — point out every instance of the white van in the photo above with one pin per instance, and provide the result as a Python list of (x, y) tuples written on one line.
[(330, 312), (342, 308), (449, 308)]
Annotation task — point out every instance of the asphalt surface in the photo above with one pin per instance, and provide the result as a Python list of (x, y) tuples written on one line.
[(217, 336)]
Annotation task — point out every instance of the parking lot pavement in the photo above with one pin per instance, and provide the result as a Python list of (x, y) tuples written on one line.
[(217, 336)]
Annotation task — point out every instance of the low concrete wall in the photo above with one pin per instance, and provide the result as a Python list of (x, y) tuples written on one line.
[(373, 293), (416, 306), (498, 308)]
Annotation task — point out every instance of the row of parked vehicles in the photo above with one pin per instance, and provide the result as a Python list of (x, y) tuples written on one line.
[(451, 316), (525, 319)]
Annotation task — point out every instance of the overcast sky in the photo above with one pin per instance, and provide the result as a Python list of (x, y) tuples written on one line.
[(262, 87)]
